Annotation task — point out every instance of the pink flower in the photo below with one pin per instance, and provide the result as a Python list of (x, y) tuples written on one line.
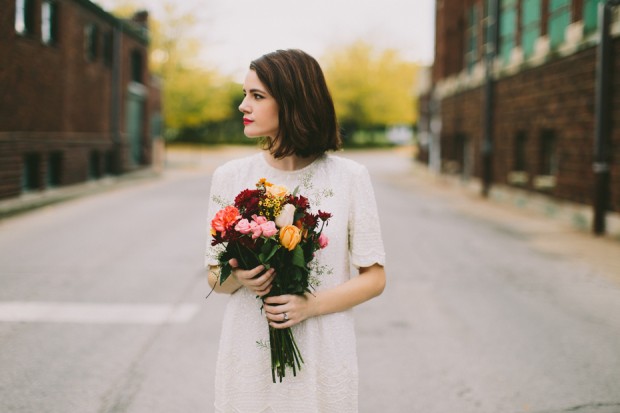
[(269, 229), (259, 219), (323, 240), (256, 230), (243, 226)]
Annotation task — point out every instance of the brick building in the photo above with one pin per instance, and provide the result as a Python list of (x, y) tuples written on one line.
[(77, 101), (532, 115)]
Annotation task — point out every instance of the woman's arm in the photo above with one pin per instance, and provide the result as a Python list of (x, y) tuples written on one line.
[(228, 287), (369, 284)]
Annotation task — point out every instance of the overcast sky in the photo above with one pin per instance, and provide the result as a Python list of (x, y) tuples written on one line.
[(234, 32)]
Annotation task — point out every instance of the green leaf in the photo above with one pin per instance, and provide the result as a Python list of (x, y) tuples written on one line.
[(298, 257), (225, 271), (275, 248)]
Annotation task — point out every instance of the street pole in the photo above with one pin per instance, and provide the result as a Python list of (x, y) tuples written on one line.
[(600, 164), (117, 95), (490, 53)]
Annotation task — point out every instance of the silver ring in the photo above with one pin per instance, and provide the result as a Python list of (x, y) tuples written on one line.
[(285, 316)]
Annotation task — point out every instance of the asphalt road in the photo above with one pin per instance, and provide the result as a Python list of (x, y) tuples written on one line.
[(102, 304)]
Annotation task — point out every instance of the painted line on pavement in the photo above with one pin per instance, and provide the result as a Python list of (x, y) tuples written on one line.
[(87, 313)]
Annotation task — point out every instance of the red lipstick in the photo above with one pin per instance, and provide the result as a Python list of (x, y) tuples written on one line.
[(247, 121)]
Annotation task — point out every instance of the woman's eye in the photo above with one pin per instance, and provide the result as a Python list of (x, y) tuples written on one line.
[(258, 97)]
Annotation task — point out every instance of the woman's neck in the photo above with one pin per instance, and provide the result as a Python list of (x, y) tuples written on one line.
[(289, 163)]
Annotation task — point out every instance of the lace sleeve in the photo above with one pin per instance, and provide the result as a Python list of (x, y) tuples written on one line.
[(365, 242)]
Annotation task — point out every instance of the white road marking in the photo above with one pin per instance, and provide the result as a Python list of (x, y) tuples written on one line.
[(87, 313)]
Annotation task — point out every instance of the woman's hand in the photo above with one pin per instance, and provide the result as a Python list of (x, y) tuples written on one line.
[(285, 311), (260, 285)]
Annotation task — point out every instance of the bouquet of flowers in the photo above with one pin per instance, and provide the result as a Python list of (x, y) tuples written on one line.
[(271, 227)]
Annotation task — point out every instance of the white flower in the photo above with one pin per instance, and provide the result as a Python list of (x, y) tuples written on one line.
[(286, 216)]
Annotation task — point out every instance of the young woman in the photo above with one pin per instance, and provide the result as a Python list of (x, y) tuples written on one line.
[(287, 103)]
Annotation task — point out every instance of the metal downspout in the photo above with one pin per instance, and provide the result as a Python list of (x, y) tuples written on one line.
[(600, 164), (116, 97), (487, 141)]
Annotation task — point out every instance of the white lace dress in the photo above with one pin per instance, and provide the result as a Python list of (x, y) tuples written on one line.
[(328, 379)]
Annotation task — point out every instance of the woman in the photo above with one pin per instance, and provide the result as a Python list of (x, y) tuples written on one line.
[(287, 103)]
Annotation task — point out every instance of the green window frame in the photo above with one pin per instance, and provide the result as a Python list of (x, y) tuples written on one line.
[(559, 19), (507, 28), (530, 25), (590, 15), (471, 36)]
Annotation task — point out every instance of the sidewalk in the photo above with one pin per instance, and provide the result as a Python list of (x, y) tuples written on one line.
[(29, 201), (552, 235), (178, 158)]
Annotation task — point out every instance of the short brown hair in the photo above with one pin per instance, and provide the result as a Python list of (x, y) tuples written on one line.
[(307, 119)]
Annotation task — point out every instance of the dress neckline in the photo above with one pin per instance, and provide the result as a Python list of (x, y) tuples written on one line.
[(261, 155)]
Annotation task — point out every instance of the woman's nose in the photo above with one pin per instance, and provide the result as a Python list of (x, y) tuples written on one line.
[(243, 107)]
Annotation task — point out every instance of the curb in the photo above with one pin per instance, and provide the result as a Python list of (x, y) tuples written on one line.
[(576, 216), (35, 200)]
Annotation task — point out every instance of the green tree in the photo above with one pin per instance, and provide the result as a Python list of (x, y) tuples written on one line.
[(193, 96), (371, 89)]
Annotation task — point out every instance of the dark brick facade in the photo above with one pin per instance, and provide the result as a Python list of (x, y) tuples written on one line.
[(543, 114), (64, 115)]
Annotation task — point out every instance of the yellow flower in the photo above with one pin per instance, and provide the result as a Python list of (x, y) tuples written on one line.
[(270, 207), (263, 182), (290, 236)]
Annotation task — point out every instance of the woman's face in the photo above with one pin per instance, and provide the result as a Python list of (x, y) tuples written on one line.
[(259, 108)]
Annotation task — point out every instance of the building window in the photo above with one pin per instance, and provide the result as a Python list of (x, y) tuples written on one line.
[(548, 153), (136, 66), (109, 163), (590, 15), (94, 165), (54, 169), (49, 22), (108, 48), (507, 28), (471, 36), (24, 16), (31, 172), (530, 26), (90, 42), (559, 19), (520, 163)]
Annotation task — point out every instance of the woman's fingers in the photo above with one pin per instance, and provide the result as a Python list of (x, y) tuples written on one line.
[(253, 279), (279, 299), (264, 291), (276, 307), (287, 310)]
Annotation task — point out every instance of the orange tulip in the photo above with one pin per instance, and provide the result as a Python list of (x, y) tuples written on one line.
[(290, 236)]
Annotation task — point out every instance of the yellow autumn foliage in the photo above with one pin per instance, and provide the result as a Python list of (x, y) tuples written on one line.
[(371, 88)]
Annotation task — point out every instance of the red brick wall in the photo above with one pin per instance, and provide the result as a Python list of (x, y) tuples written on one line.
[(449, 29), (461, 115), (558, 96), (52, 98)]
